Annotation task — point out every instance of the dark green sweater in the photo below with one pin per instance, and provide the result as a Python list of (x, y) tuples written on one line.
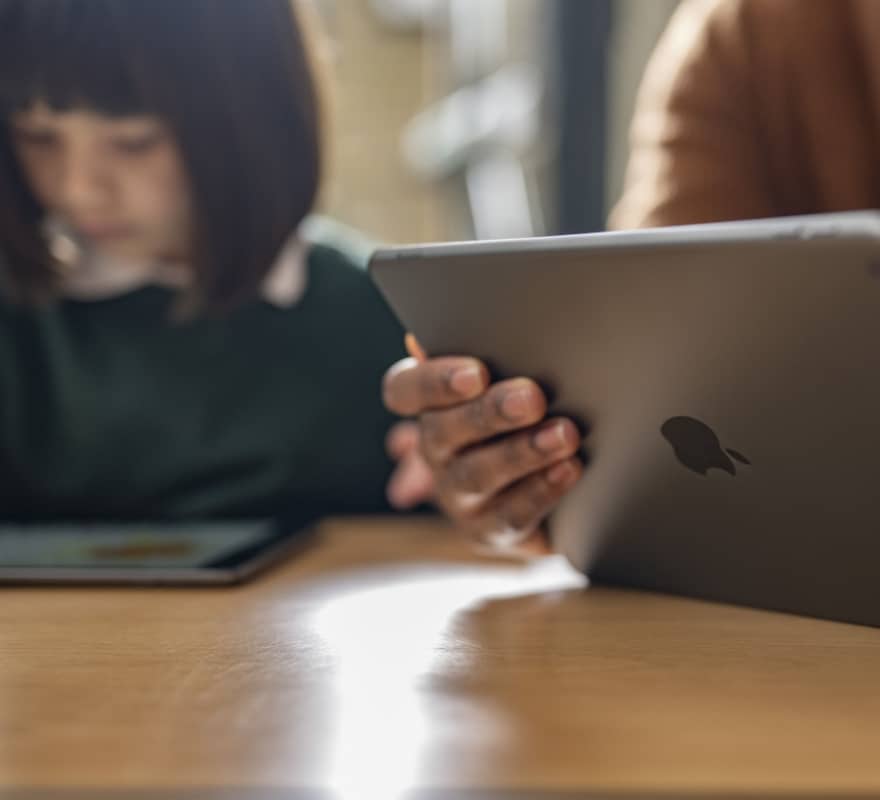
[(110, 411)]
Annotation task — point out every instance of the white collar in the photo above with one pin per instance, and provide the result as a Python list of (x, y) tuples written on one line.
[(89, 276)]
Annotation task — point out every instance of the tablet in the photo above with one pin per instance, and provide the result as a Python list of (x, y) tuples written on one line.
[(730, 376), (209, 552)]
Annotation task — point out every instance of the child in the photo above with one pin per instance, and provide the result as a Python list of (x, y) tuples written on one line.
[(170, 347)]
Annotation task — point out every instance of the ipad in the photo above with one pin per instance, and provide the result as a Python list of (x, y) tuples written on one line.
[(730, 377), (209, 552)]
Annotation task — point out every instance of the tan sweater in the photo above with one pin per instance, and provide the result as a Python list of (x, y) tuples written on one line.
[(757, 108)]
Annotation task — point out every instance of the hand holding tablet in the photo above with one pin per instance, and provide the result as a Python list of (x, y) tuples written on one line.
[(498, 466)]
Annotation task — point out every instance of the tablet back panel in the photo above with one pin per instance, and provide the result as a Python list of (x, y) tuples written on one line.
[(731, 380)]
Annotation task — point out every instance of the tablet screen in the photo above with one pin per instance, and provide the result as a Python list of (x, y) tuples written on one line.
[(160, 544)]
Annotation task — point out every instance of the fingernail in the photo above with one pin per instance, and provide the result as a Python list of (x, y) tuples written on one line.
[(516, 404), (551, 438), (561, 473), (467, 381), (414, 348)]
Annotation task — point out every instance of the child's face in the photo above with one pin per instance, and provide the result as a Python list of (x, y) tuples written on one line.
[(118, 182)]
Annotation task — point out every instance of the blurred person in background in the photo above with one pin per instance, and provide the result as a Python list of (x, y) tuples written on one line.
[(757, 108), (170, 345)]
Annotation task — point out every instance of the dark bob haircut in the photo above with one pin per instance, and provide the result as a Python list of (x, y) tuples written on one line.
[(230, 78)]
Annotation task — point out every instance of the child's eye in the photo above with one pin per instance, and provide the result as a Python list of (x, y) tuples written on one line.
[(137, 145), (34, 138)]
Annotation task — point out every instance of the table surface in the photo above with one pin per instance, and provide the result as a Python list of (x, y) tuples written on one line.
[(390, 657)]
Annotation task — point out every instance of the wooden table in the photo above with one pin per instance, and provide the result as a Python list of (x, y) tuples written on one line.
[(390, 657)]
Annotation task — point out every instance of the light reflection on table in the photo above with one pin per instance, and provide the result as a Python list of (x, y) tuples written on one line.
[(387, 636)]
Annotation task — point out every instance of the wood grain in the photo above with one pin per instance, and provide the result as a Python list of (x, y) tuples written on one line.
[(390, 656)]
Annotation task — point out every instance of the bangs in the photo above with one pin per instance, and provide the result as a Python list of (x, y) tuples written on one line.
[(68, 54), (232, 81)]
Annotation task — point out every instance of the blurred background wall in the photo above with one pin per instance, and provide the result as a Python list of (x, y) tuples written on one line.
[(482, 118)]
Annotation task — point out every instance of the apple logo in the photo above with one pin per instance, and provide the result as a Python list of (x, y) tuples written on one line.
[(697, 446)]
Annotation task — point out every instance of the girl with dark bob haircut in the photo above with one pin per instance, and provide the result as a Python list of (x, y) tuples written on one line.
[(230, 80), (170, 344), (173, 342)]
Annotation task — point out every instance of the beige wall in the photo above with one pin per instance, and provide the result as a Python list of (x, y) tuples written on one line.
[(379, 80), (381, 77)]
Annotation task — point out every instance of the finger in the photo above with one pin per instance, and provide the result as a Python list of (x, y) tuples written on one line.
[(412, 387), (519, 512), (506, 406), (402, 439), (482, 472), (411, 483)]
